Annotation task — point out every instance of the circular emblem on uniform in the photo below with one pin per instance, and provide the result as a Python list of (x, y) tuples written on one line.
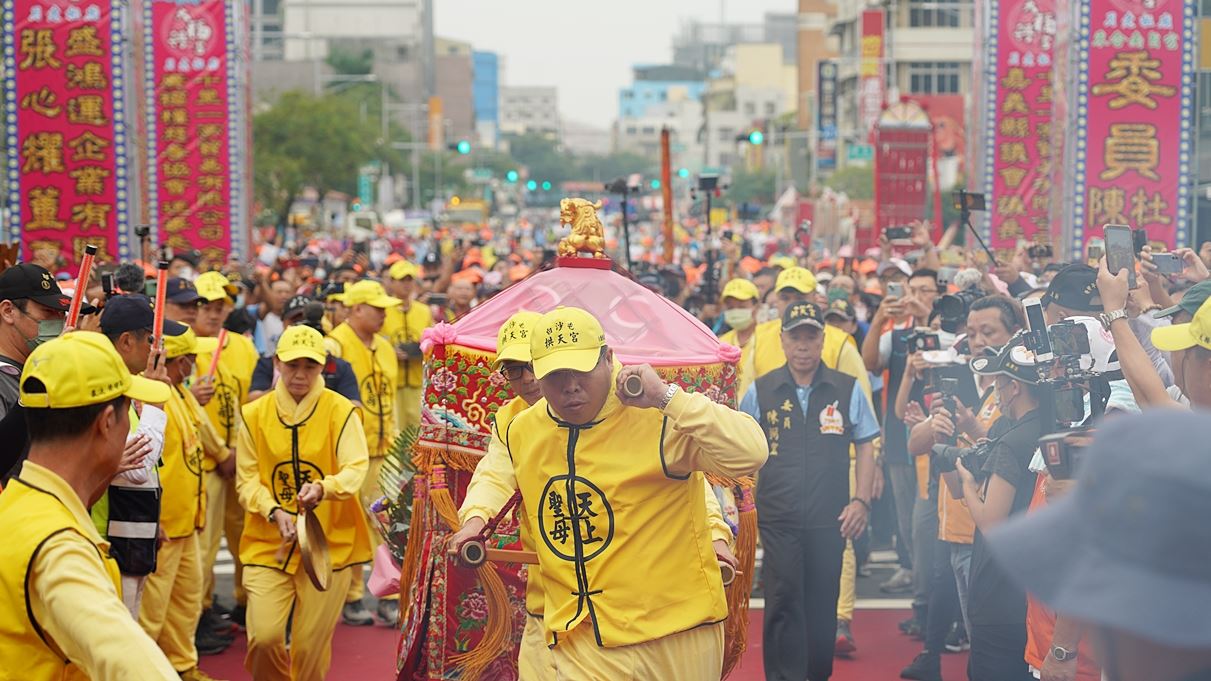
[(227, 400), (575, 518), (193, 458), (284, 485), (376, 394)]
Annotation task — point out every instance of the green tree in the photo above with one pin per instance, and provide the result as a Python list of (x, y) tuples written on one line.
[(752, 187), (858, 182), (347, 62), (306, 141)]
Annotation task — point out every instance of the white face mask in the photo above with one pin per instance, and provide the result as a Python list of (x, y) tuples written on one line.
[(738, 318)]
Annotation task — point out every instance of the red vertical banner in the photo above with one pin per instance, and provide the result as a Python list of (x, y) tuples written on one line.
[(871, 80), (1132, 118), (1018, 132), (194, 173), (66, 130)]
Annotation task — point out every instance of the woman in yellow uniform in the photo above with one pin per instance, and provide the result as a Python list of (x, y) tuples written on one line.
[(404, 325), (300, 448)]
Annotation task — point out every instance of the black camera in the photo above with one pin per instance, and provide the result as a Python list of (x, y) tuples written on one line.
[(900, 233), (923, 340), (1039, 251), (142, 231), (1063, 452), (952, 308), (944, 458), (968, 202)]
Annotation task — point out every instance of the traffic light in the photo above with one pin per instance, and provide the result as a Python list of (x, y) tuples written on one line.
[(463, 147), (683, 173), (511, 176), (532, 185), (655, 184), (756, 137), (546, 186)]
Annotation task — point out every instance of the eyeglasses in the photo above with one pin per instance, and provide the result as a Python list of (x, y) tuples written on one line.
[(514, 372), (923, 291)]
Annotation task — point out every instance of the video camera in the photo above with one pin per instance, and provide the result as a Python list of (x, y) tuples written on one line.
[(923, 339), (952, 308), (944, 457)]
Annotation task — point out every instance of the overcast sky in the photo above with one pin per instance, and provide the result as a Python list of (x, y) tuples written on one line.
[(586, 49)]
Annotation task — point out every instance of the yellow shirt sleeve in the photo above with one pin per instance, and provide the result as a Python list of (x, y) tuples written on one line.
[(492, 484), (709, 437), (720, 531), (74, 602), (849, 362), (353, 457), (255, 497)]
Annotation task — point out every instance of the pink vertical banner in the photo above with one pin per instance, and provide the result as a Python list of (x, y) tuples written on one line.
[(871, 84), (190, 116), (66, 136), (1018, 131), (1133, 118)]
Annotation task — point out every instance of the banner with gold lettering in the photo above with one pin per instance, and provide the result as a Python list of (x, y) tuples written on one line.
[(1132, 112), (1019, 44), (871, 72), (64, 92), (193, 172)]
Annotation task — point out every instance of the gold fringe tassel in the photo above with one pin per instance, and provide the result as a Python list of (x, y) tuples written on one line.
[(736, 632), (496, 630), (410, 563)]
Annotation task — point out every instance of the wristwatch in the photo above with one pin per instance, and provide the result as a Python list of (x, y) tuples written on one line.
[(668, 396), (1108, 318), (1062, 654)]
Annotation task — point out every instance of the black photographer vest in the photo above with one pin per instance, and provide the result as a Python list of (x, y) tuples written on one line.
[(805, 482)]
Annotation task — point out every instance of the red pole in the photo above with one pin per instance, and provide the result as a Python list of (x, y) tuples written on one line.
[(939, 223), (77, 296), (161, 292), (666, 184), (214, 360)]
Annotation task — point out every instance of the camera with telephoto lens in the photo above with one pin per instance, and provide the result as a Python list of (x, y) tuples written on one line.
[(923, 340), (952, 308), (943, 458)]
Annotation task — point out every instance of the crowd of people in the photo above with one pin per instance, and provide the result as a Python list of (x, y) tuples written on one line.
[(897, 398)]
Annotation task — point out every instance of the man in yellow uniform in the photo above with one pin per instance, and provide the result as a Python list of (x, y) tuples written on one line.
[(613, 487), (403, 328), (740, 298), (301, 449), (357, 341), (237, 359), (172, 597), (493, 484), (64, 616)]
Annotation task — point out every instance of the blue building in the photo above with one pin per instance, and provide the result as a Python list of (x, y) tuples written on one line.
[(651, 88), (485, 89)]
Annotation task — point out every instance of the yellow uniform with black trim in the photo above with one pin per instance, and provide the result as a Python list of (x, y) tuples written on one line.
[(172, 596), (406, 326), (282, 445), (224, 517), (491, 486), (376, 369), (64, 617), (619, 512)]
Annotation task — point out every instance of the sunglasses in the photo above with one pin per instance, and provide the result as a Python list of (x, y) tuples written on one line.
[(514, 372)]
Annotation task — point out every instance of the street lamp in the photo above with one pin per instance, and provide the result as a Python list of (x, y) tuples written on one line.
[(623, 187)]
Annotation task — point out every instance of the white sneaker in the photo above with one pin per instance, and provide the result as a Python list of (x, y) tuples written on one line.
[(900, 582)]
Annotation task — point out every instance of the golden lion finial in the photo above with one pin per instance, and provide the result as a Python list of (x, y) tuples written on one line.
[(588, 235)]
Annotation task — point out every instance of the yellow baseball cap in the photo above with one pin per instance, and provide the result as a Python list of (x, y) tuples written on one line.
[(82, 368), (1184, 336), (784, 261), (513, 340), (301, 341), (186, 342), (214, 286), (402, 269), (565, 338), (799, 278), (741, 289), (369, 292)]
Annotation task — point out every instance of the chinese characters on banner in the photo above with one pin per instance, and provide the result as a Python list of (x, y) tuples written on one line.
[(191, 121), (1019, 156), (826, 116), (870, 71), (1133, 118), (66, 139)]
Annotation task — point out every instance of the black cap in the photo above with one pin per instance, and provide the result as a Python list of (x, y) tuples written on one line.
[(431, 258), (27, 281), (181, 291), (193, 257), (1074, 287), (133, 312), (295, 306), (1013, 360), (803, 313)]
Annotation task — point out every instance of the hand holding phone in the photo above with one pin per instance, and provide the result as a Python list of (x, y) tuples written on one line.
[(1167, 263), (1120, 252)]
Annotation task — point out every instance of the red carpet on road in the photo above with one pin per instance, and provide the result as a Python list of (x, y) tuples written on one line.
[(368, 653)]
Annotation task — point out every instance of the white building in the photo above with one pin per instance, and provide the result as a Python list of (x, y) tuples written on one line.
[(530, 109)]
